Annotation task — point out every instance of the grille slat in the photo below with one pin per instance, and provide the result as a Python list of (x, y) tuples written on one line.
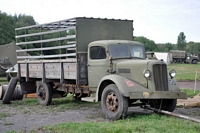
[(160, 77)]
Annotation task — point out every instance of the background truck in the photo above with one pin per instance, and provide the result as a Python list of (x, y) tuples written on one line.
[(95, 60), (183, 57)]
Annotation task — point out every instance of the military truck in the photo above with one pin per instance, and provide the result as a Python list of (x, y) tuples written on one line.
[(94, 60), (179, 56)]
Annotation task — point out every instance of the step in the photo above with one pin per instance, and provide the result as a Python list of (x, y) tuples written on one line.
[(88, 99)]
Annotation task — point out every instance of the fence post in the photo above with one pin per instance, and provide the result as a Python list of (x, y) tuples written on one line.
[(195, 81)]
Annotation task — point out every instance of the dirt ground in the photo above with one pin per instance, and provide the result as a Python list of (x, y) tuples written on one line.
[(19, 120)]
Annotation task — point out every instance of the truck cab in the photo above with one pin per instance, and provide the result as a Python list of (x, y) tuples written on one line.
[(118, 71), (191, 58)]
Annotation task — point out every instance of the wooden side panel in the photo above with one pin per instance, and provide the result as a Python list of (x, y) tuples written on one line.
[(52, 70), (35, 70), (70, 70)]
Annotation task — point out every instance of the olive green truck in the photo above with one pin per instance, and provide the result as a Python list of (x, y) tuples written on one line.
[(95, 60)]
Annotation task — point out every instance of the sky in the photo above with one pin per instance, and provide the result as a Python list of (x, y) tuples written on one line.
[(158, 20)]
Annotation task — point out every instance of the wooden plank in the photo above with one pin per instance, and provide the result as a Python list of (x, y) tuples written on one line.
[(70, 75), (71, 60), (51, 70), (69, 67), (32, 95)]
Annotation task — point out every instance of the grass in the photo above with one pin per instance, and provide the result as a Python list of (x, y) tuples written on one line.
[(134, 123), (8, 123), (29, 105), (190, 93), (185, 72), (3, 80), (4, 115)]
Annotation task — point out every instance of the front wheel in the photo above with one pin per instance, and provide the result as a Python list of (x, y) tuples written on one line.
[(44, 93), (114, 105), (194, 62), (164, 104)]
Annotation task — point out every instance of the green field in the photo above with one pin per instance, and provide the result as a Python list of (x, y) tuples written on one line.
[(186, 72)]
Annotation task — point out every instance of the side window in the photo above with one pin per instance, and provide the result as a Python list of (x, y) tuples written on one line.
[(97, 52)]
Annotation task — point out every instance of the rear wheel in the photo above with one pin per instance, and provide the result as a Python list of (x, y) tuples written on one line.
[(44, 93), (174, 61), (114, 105), (164, 104)]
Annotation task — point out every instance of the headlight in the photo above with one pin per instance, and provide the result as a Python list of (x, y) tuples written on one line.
[(146, 73), (172, 73)]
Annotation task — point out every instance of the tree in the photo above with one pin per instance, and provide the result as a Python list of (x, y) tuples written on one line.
[(7, 26), (149, 44), (181, 42), (192, 47), (23, 20)]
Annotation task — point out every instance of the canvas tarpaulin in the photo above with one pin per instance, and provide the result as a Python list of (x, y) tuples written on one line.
[(9, 50), (163, 56)]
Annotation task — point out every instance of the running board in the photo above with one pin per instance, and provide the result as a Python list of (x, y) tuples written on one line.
[(88, 99)]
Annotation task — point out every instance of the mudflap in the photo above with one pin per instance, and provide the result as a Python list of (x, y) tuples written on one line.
[(9, 92)]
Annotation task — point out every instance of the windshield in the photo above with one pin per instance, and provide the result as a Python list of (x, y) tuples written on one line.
[(137, 51), (126, 51)]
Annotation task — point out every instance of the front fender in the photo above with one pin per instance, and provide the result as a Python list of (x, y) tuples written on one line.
[(124, 85)]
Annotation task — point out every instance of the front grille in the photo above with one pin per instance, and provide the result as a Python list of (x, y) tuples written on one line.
[(160, 77)]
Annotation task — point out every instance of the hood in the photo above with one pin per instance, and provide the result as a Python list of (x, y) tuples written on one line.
[(133, 69)]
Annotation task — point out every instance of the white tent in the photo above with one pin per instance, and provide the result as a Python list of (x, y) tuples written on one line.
[(163, 56)]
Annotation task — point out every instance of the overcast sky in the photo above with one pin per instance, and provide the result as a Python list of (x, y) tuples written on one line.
[(158, 20)]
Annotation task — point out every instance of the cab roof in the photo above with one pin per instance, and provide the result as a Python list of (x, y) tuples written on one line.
[(112, 42)]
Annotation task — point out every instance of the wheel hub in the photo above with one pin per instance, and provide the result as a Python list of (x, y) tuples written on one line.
[(112, 102), (42, 93)]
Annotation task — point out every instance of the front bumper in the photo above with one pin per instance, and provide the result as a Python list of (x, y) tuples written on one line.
[(158, 95)]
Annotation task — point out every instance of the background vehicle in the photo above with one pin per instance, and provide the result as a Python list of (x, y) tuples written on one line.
[(4, 65), (183, 57), (12, 72), (95, 60)]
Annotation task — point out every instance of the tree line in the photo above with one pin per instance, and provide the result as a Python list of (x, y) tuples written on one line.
[(182, 44), (8, 23)]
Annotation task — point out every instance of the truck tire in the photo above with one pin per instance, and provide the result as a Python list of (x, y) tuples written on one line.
[(44, 93), (174, 61), (9, 92), (164, 104), (194, 61), (1, 92), (114, 105)]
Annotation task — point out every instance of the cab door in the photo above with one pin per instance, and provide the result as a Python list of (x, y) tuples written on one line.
[(98, 63)]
